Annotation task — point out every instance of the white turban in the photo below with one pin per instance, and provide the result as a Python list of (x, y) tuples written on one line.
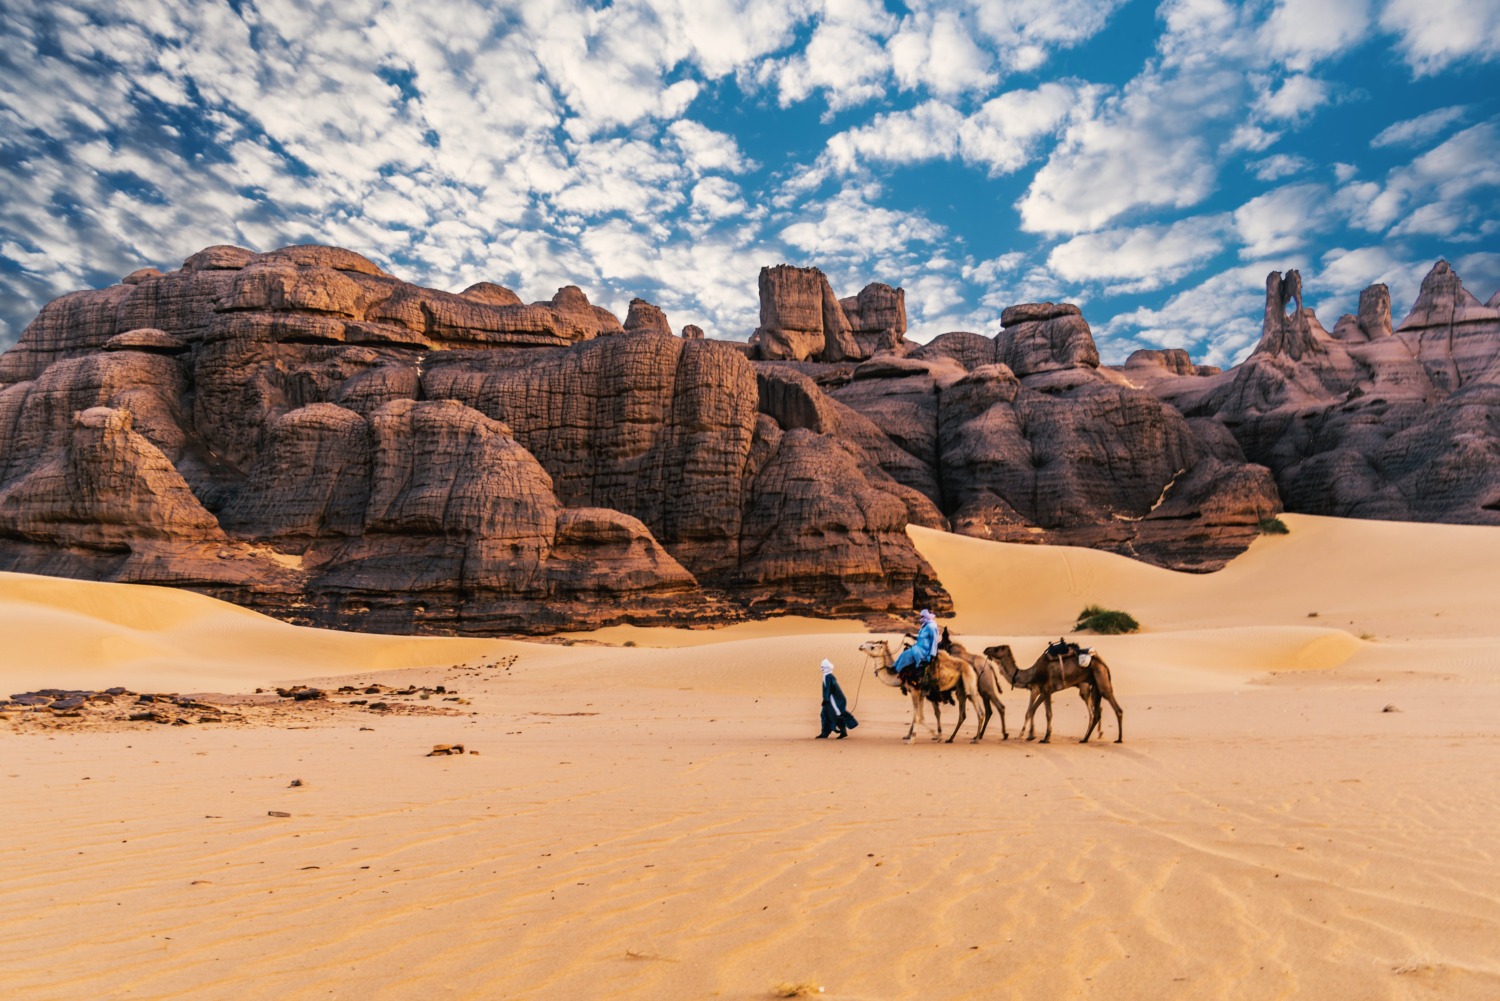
[(827, 667), (927, 616)]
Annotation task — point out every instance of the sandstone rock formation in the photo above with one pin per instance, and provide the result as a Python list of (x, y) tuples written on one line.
[(643, 316), (877, 316), (800, 318), (1025, 438), (1366, 421), (306, 434), (303, 433)]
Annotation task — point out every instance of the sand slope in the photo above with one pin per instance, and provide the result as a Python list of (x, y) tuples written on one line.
[(653, 821)]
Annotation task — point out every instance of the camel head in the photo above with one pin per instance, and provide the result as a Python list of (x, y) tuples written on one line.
[(1005, 660), (875, 648)]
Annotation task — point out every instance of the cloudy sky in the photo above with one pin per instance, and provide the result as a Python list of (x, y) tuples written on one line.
[(1149, 161)]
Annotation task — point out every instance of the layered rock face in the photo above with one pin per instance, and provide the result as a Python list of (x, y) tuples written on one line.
[(303, 433), (1023, 437), (1367, 421), (300, 432), (802, 320)]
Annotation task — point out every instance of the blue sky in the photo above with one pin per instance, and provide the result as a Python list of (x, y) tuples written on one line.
[(1149, 161)]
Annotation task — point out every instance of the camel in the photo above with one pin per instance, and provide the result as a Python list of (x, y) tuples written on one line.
[(1055, 674), (947, 674), (989, 686)]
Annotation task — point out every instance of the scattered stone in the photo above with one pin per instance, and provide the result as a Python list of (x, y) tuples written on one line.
[(440, 749), (277, 813), (296, 784), (1391, 708)]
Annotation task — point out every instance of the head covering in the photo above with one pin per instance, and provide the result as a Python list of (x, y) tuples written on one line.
[(827, 667), (927, 617)]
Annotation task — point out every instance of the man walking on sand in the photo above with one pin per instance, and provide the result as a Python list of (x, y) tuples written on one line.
[(835, 709)]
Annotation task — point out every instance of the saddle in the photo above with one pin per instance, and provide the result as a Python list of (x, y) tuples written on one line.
[(1057, 651), (919, 677)]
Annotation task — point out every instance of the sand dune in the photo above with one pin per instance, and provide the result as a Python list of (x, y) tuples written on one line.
[(654, 821)]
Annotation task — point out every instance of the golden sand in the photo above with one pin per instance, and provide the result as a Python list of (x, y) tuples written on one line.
[(654, 821)]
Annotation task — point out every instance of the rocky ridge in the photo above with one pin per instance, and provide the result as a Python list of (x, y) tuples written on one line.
[(1372, 419), (303, 433)]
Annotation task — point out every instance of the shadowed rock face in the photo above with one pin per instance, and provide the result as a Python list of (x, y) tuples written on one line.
[(1049, 447), (1368, 422)]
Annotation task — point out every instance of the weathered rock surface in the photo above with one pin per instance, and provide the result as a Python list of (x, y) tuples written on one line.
[(1048, 447), (877, 317), (1367, 422), (303, 433), (800, 318), (643, 316)]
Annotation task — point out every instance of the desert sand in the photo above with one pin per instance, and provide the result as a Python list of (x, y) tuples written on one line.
[(1305, 803)]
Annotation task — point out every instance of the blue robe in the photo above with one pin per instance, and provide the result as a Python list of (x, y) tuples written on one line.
[(923, 650), (835, 713)]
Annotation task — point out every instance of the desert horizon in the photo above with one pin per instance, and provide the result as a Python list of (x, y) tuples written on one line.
[(1300, 805)]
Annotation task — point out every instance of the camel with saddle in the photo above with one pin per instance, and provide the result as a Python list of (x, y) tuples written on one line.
[(945, 673), (987, 676), (1060, 667)]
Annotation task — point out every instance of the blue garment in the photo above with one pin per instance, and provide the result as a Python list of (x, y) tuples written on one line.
[(835, 713), (923, 650)]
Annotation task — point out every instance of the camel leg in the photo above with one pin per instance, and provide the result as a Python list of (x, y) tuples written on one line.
[(1094, 719), (937, 714), (916, 714), (1028, 726), (962, 714), (980, 708), (1119, 718), (1047, 699), (1004, 734), (984, 721)]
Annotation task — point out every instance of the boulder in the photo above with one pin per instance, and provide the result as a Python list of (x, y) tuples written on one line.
[(800, 318), (877, 318), (645, 317), (1040, 337)]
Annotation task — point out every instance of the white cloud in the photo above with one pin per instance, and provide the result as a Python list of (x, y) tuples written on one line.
[(718, 198), (1141, 258), (987, 272), (1279, 165), (1281, 220), (1302, 32), (1003, 134), (937, 52), (849, 225), (1434, 194), (1218, 320), (1436, 33), (928, 131), (1480, 272), (1294, 99), (1413, 131)]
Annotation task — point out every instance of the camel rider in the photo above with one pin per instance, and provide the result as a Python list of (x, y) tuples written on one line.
[(913, 660)]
